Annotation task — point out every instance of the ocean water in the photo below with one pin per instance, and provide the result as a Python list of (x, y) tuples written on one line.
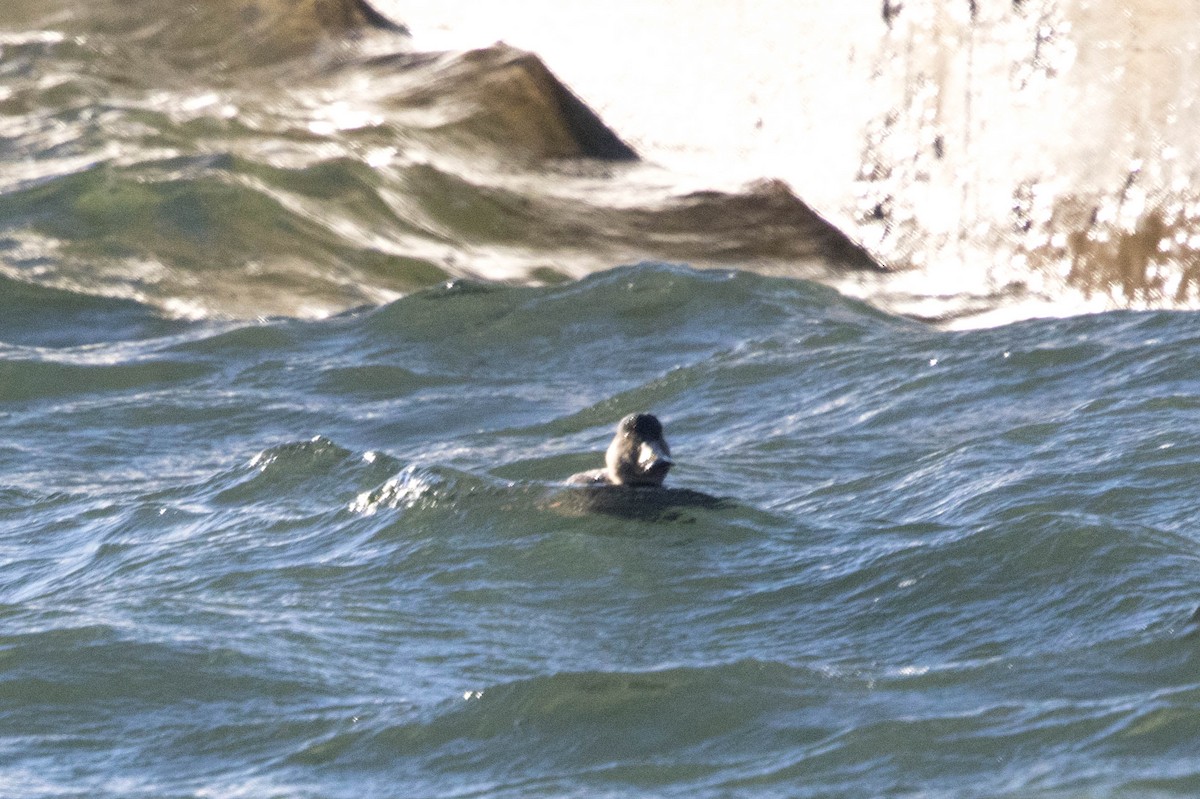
[(324, 558), (291, 376)]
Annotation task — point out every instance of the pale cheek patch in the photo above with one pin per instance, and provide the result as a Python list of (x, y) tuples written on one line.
[(646, 455)]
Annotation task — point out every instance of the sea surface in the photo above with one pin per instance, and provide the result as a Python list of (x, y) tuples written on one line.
[(287, 398)]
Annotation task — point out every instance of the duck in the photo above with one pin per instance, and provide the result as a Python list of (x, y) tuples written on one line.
[(638, 456)]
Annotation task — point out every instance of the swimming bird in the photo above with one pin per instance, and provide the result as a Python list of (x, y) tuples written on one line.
[(637, 456)]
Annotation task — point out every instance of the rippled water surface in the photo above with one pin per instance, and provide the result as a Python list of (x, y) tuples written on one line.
[(330, 558), (297, 350)]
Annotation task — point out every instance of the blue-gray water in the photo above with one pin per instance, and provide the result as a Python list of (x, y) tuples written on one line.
[(278, 556), (323, 559)]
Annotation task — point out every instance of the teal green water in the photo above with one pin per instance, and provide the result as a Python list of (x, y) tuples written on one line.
[(324, 558), (281, 501)]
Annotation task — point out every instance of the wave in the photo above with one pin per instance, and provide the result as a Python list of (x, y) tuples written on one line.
[(288, 553), (233, 237), (206, 38), (96, 665), (739, 726), (254, 157), (43, 316), (605, 313), (218, 237), (33, 380), (570, 723), (243, 195)]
